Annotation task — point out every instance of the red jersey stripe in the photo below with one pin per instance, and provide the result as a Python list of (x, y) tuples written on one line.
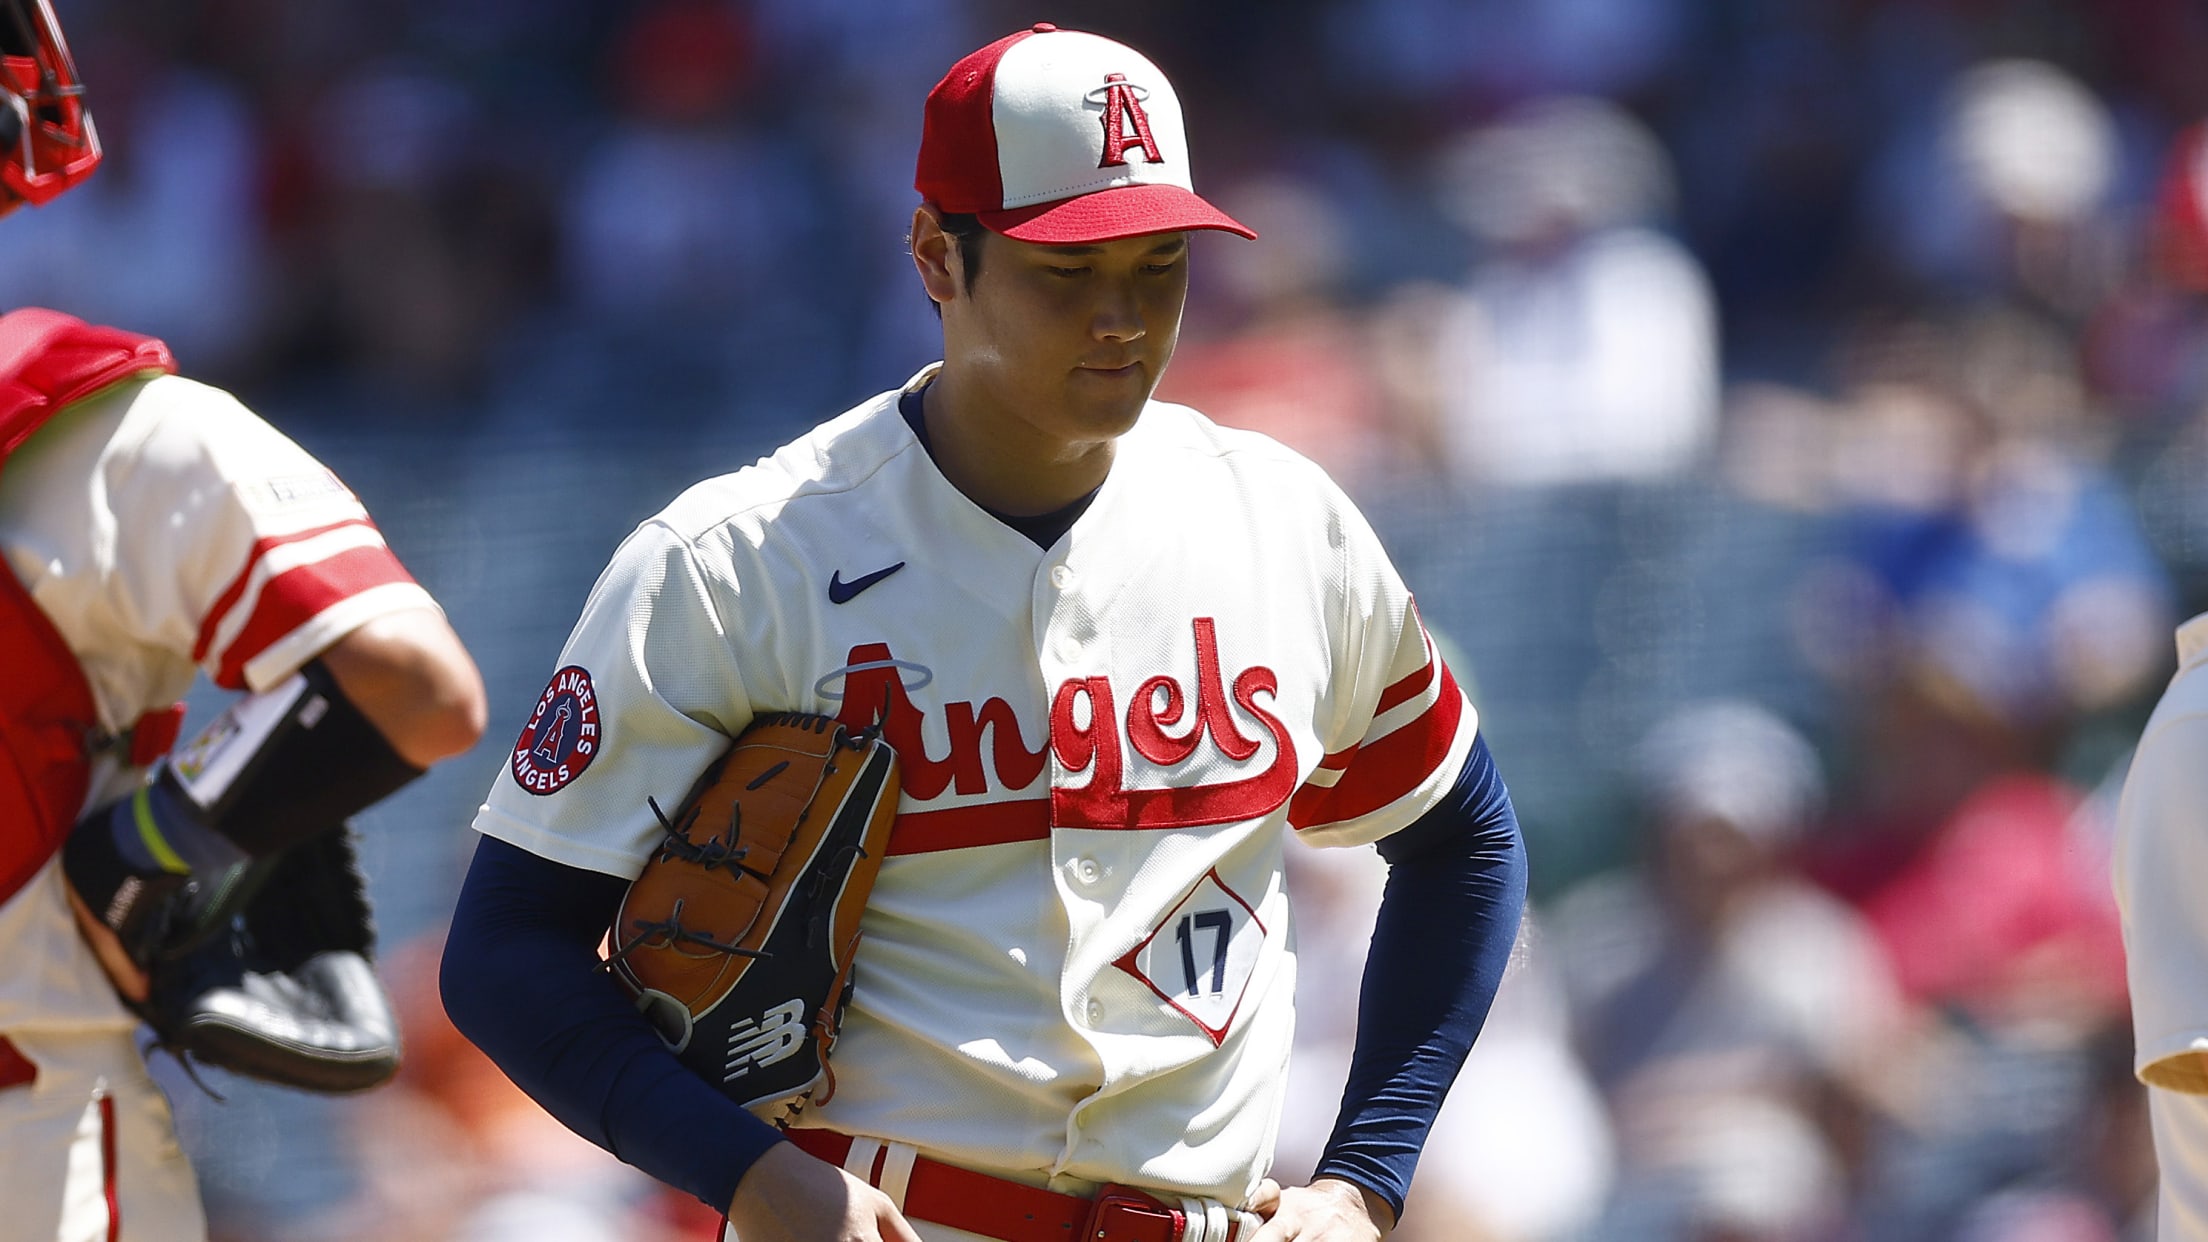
[(959, 827), (296, 596), (1394, 696), (1410, 687), (230, 594), (1340, 758), (1388, 768), (110, 1168)]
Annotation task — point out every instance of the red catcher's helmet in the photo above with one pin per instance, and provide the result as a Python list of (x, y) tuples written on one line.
[(2181, 210), (47, 142)]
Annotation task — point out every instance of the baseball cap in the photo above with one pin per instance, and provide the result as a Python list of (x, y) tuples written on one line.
[(1061, 137)]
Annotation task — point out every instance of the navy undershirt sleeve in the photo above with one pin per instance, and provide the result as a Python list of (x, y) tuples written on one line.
[(521, 980), (1448, 918)]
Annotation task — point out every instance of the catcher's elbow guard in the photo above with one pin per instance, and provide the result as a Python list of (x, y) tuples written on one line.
[(275, 769), (737, 939), (280, 766)]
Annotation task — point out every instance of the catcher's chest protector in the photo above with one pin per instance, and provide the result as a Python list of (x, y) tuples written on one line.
[(48, 722)]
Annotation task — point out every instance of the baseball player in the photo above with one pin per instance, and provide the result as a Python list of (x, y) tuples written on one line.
[(1122, 653), (2160, 850), (151, 528)]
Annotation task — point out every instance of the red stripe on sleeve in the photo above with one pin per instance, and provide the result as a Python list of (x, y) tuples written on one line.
[(961, 827), (296, 596), (1386, 769), (229, 597), (1412, 686), (1340, 758)]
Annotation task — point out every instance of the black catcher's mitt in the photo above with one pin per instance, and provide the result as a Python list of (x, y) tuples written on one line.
[(271, 976)]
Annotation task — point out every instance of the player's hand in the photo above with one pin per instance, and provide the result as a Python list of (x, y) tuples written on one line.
[(125, 974), (1327, 1210), (788, 1196)]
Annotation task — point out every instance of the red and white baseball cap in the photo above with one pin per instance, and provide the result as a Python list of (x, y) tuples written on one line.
[(1064, 138)]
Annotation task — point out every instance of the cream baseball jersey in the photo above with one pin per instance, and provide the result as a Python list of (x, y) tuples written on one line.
[(2159, 855), (164, 530), (1077, 963)]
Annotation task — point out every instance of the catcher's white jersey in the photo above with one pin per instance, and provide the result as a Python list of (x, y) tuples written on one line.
[(1076, 965), (163, 528)]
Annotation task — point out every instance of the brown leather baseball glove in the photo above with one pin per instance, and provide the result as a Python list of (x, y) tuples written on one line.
[(738, 937)]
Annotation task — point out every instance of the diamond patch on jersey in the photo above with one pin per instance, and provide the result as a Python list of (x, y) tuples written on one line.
[(1200, 959), (561, 737)]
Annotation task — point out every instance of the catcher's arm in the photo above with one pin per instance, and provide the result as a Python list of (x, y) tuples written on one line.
[(411, 678), (410, 692)]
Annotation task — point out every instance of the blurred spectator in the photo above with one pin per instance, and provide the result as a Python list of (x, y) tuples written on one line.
[(1507, 48), (1291, 360), (681, 208), (168, 236), (1732, 1014), (1996, 185), (418, 269), (1585, 347), (1981, 874), (1982, 540), (1522, 1150)]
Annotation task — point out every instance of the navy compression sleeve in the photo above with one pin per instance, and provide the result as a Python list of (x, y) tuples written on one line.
[(1448, 918), (520, 979)]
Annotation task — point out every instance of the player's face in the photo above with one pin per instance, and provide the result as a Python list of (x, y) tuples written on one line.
[(1071, 339)]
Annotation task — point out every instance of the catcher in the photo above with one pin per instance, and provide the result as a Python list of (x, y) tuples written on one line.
[(153, 528)]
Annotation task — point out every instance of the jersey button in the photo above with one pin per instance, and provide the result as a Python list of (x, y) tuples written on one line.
[(1095, 1011), (1061, 577), (1087, 870)]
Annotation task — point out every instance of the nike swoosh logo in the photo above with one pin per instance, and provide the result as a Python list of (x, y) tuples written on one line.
[(841, 592)]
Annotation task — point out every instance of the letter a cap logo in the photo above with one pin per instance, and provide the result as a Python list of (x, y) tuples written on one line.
[(1061, 137)]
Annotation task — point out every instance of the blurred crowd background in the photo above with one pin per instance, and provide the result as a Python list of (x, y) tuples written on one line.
[(1792, 416)]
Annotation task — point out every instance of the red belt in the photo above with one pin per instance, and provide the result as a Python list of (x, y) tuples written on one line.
[(16, 1070), (945, 1194)]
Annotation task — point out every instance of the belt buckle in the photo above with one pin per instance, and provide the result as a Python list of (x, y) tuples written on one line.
[(1124, 1214)]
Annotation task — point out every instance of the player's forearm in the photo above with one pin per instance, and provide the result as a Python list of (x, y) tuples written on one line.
[(1449, 916), (410, 676), (520, 980)]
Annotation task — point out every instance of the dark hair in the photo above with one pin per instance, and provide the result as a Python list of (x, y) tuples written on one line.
[(966, 229)]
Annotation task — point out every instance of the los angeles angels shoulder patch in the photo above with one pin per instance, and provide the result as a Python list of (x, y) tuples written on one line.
[(562, 735)]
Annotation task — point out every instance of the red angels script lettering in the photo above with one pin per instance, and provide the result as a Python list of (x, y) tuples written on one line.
[(874, 690), (1122, 109), (1093, 746)]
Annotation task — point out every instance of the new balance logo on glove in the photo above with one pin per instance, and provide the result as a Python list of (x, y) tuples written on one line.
[(760, 1042)]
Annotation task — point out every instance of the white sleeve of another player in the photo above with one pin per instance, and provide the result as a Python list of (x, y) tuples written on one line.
[(1402, 727), (235, 544), (645, 695), (2161, 855)]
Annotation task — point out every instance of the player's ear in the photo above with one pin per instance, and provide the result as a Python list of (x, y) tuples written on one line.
[(934, 254)]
